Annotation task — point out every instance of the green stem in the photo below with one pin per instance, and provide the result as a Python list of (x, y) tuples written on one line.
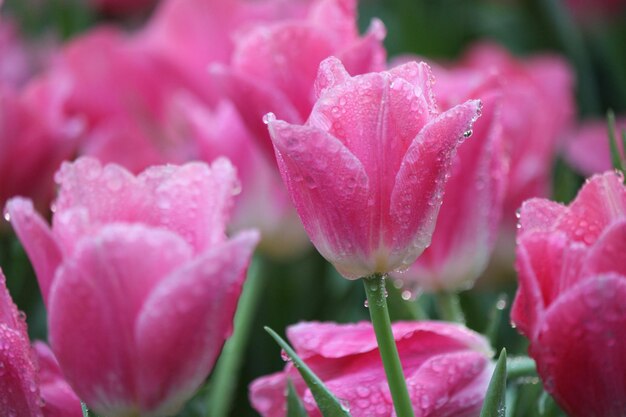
[(520, 366), (449, 307), (377, 303), (224, 379)]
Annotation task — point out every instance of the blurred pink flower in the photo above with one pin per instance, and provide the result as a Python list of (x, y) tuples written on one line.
[(263, 203), (35, 136), (123, 94), (537, 108), (274, 65), (366, 171), (570, 302), (31, 384), (15, 62), (587, 148), (139, 278), (468, 222), (447, 368)]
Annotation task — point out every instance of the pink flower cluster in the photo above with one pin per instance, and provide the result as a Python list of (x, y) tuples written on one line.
[(281, 115)]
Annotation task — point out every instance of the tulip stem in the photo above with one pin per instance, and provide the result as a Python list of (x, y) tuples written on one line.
[(224, 380), (377, 304), (521, 366), (449, 307)]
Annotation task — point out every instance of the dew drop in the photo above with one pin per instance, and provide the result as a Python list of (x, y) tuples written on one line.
[(284, 356), (7, 215), (467, 133), (269, 118), (366, 304)]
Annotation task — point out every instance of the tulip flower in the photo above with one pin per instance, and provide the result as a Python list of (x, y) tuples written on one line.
[(366, 171), (263, 202), (537, 108), (274, 65), (31, 384), (570, 302), (35, 136), (139, 279), (469, 219), (587, 148), (447, 368)]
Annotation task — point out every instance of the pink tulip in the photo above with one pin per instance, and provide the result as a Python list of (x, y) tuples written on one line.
[(447, 368), (273, 67), (263, 203), (366, 171), (537, 107), (35, 136), (588, 147), (124, 124), (468, 222), (570, 302), (30, 383), (139, 278)]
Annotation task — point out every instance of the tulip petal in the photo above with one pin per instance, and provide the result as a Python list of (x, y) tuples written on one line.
[(366, 54), (38, 241), (59, 399), (173, 197), (539, 214), (450, 384), (285, 56), (583, 334), (546, 263), (331, 73), (253, 100), (419, 183), (601, 200), (470, 213), (103, 286), (608, 253), (329, 188), (19, 394), (320, 339), (185, 321)]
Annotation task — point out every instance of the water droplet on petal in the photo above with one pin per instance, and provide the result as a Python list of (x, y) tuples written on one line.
[(268, 118)]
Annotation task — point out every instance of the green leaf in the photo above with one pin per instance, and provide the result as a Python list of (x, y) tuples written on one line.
[(495, 318), (328, 404), (83, 406), (495, 404), (294, 405), (616, 158)]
